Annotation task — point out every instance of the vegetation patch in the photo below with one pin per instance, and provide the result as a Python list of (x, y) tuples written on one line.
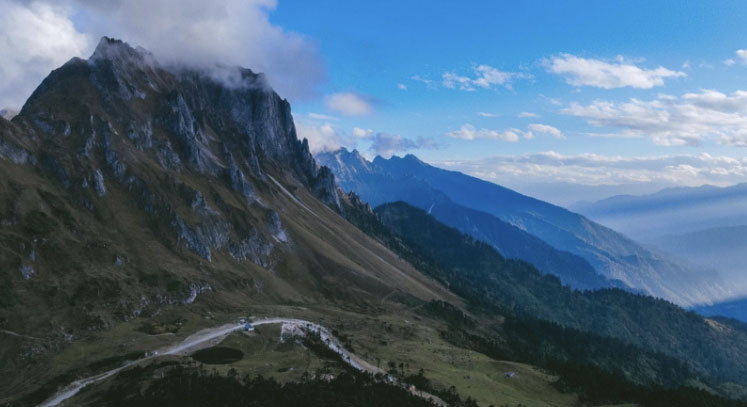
[(184, 387), (158, 327), (218, 355)]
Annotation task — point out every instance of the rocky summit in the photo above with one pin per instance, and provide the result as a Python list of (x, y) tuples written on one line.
[(122, 119), (130, 188)]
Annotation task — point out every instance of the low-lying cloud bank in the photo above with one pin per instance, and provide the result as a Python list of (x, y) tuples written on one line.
[(689, 119), (533, 173)]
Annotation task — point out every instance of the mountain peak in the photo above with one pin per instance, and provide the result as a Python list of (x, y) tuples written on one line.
[(136, 64), (220, 122), (118, 51), (344, 156), (412, 158), (409, 159)]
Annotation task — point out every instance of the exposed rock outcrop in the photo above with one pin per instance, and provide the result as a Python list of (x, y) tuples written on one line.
[(96, 122)]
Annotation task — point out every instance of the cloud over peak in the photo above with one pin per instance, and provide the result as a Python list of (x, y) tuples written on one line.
[(386, 145), (42, 36), (328, 137), (579, 71)]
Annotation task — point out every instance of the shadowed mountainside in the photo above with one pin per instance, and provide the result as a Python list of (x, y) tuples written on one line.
[(132, 190)]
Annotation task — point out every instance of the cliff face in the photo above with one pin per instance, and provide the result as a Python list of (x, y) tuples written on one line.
[(132, 191), (225, 121), (121, 118), (117, 163)]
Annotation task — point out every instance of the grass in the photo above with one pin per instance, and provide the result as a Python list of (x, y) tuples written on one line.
[(416, 344), (399, 337), (266, 355)]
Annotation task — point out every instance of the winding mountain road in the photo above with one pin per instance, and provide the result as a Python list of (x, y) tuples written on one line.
[(208, 336)]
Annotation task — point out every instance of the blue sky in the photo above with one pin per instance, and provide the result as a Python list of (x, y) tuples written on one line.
[(531, 94), (370, 49)]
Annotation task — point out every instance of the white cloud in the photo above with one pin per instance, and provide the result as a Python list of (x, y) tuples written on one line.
[(321, 137), (36, 38), (8, 113), (192, 32), (547, 129), (401, 86), (668, 120), (328, 137), (319, 116), (579, 71), (231, 32), (742, 54), (593, 169), (469, 132), (486, 114), (418, 78), (524, 115), (729, 62), (485, 76), (349, 104), (386, 145), (362, 133)]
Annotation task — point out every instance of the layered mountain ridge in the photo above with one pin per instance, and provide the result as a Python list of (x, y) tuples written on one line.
[(611, 254), (363, 177), (671, 211), (703, 225)]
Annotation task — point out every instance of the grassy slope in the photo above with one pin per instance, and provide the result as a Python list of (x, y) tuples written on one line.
[(77, 289), (401, 337), (333, 268), (335, 274)]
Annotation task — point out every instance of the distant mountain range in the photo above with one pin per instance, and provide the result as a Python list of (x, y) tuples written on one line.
[(671, 211), (450, 196), (706, 226), (377, 187), (723, 248)]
